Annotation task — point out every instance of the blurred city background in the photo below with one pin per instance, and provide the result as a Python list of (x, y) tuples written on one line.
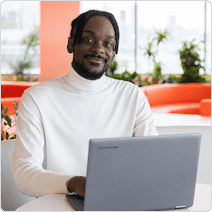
[(138, 21)]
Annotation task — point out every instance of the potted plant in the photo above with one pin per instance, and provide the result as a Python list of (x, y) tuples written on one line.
[(30, 41), (152, 50), (8, 122), (191, 63)]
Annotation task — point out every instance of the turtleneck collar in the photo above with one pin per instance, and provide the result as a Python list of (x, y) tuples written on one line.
[(86, 85)]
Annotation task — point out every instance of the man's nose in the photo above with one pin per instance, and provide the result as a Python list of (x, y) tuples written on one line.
[(98, 48)]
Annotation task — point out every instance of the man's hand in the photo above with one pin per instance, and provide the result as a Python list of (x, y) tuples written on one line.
[(77, 185)]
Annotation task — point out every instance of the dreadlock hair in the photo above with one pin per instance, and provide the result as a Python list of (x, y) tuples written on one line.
[(82, 19)]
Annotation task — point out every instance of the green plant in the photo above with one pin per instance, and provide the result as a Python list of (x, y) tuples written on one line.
[(173, 79), (112, 69), (30, 41), (191, 63), (6, 122), (126, 76), (135, 75), (152, 50), (145, 83), (157, 70)]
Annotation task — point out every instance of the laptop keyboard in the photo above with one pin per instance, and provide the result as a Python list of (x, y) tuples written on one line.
[(76, 201)]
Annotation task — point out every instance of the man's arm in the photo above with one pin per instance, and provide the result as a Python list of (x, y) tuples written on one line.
[(29, 175), (144, 125)]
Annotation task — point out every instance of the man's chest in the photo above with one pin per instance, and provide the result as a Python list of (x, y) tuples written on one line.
[(102, 115)]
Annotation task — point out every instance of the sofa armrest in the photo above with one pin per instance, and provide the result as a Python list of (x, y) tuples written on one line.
[(205, 107)]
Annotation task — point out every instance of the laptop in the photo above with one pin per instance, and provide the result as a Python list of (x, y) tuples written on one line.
[(140, 173)]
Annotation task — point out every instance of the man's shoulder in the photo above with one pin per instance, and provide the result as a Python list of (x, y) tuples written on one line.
[(126, 87), (121, 84), (43, 87)]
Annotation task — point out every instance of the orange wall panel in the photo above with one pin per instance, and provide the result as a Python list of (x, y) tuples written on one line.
[(56, 17)]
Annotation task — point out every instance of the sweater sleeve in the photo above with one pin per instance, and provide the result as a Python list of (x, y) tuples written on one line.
[(144, 125), (29, 175)]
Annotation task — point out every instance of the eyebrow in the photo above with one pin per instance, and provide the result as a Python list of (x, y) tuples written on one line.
[(89, 31), (110, 36)]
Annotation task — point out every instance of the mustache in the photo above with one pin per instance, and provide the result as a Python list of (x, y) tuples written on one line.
[(97, 56)]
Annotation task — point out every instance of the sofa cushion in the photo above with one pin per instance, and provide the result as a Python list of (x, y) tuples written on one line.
[(173, 93), (180, 108), (11, 197)]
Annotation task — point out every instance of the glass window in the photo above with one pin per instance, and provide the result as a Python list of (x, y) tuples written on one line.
[(18, 19), (184, 20), (208, 38)]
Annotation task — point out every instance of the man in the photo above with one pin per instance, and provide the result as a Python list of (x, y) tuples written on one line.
[(63, 114)]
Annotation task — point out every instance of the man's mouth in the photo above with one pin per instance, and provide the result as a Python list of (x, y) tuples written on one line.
[(96, 58)]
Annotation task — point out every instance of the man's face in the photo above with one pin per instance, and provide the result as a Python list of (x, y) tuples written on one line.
[(92, 57)]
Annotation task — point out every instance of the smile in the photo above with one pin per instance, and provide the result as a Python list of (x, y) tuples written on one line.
[(94, 59)]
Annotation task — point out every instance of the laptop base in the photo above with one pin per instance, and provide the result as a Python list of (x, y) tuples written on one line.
[(76, 201)]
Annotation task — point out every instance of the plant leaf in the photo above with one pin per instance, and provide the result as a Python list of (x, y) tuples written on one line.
[(7, 135), (8, 119), (2, 136), (16, 105), (1, 107), (5, 110), (14, 136)]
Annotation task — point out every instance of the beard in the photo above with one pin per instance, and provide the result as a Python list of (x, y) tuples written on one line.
[(91, 75)]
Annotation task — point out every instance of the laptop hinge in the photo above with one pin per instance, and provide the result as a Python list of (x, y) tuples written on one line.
[(181, 206)]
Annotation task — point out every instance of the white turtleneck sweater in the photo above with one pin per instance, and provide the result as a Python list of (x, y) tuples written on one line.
[(63, 114)]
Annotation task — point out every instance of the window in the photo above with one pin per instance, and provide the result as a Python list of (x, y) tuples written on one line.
[(184, 20), (18, 19)]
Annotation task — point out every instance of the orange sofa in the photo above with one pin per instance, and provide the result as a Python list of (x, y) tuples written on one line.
[(11, 91), (189, 98)]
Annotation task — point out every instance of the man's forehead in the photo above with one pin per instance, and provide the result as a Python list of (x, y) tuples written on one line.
[(94, 19), (92, 32), (96, 22), (88, 30)]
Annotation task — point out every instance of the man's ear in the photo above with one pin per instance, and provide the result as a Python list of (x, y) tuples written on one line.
[(70, 45)]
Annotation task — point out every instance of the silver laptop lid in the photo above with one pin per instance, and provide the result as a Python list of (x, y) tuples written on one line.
[(142, 173)]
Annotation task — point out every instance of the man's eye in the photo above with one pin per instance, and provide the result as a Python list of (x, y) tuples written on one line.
[(108, 45), (88, 40)]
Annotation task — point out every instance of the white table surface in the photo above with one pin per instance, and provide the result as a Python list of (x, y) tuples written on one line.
[(171, 119), (58, 202)]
